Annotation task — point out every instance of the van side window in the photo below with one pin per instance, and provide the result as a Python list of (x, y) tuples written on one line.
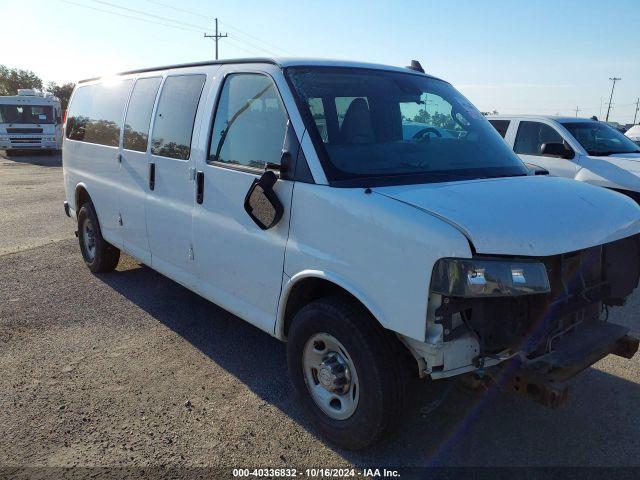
[(501, 126), (531, 136), (95, 115), (138, 119), (250, 122), (175, 115)]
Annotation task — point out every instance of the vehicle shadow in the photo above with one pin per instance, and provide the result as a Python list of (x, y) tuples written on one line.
[(41, 159), (599, 425)]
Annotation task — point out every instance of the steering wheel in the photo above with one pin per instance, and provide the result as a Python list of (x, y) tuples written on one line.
[(421, 134)]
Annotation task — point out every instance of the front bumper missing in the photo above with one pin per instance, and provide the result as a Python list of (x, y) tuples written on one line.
[(544, 379)]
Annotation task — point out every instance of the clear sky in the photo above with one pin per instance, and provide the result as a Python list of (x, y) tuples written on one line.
[(517, 56)]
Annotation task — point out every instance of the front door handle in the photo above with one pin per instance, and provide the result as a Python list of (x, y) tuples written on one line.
[(152, 176), (200, 187)]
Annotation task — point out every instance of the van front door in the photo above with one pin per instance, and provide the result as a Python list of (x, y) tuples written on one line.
[(169, 202), (134, 183), (239, 265)]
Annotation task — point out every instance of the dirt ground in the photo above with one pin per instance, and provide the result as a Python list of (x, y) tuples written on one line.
[(131, 369)]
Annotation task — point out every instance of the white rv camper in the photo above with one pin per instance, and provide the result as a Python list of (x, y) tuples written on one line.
[(31, 120)]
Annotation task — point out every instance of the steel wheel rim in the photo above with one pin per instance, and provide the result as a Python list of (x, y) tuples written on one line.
[(331, 376), (89, 238)]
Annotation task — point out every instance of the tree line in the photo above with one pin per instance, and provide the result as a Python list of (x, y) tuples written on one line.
[(12, 79)]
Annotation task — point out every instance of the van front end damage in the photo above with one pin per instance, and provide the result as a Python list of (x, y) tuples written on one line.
[(548, 316)]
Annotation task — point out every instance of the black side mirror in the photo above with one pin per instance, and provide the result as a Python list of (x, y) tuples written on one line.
[(536, 170), (262, 204), (556, 150)]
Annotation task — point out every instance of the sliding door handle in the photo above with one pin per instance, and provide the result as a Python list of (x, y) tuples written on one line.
[(199, 187), (152, 176)]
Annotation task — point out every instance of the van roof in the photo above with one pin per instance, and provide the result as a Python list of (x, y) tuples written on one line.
[(280, 62), (557, 118)]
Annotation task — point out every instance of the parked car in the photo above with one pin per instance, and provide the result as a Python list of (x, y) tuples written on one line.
[(634, 134), (583, 149), (289, 193)]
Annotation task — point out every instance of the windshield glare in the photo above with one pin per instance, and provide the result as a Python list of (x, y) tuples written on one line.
[(391, 127), (32, 114), (600, 139)]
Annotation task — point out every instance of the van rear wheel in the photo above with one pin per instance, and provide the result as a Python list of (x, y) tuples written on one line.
[(98, 254), (345, 372)]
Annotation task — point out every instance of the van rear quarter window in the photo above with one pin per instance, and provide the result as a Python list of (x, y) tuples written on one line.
[(138, 120), (175, 116), (95, 114)]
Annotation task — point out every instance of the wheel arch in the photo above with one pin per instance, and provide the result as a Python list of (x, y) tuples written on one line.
[(81, 196), (309, 285)]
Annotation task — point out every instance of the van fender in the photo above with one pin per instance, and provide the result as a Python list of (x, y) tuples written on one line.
[(76, 189), (337, 280), (618, 179)]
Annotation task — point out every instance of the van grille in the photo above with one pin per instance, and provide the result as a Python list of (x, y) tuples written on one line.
[(22, 140), (24, 130)]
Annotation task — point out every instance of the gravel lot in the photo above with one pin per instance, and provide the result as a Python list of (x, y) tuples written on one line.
[(131, 369)]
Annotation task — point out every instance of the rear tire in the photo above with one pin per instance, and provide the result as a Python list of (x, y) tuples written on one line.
[(332, 343), (99, 255)]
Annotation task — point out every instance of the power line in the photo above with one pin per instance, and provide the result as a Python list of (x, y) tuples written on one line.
[(127, 16), (229, 26), (177, 9), (242, 32), (140, 12), (188, 27)]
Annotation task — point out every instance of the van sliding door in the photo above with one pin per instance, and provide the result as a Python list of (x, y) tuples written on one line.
[(170, 187), (133, 172)]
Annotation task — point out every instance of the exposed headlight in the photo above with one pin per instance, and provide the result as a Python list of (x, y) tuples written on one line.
[(471, 277)]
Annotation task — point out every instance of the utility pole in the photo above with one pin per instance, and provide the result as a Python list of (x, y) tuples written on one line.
[(217, 36), (577, 110), (637, 108), (614, 80)]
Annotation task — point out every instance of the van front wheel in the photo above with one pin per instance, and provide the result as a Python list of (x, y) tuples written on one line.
[(344, 372), (98, 254)]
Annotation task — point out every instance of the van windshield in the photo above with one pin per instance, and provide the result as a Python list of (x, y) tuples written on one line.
[(599, 139), (377, 127), (32, 114)]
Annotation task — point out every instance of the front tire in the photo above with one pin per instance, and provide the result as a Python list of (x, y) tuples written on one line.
[(99, 255), (345, 372)]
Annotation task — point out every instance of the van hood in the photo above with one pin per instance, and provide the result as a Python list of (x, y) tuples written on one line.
[(631, 158), (528, 216)]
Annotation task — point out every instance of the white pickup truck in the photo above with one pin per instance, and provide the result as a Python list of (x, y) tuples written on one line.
[(578, 148)]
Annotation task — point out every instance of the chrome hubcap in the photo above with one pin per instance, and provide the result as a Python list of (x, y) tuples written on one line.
[(330, 375), (89, 239)]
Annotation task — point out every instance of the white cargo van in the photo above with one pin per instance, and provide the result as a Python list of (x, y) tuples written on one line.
[(579, 148), (31, 120), (302, 196)]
